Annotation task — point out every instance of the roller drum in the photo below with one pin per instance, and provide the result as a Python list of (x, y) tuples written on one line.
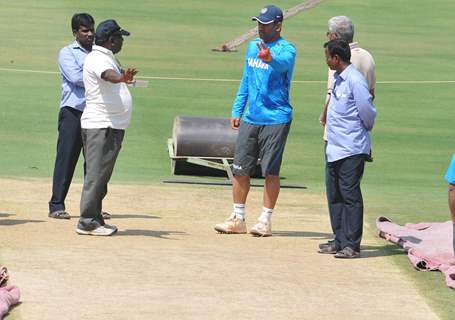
[(203, 137)]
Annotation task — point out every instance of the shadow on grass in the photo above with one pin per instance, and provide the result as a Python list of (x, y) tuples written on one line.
[(150, 233), (381, 251), (304, 234)]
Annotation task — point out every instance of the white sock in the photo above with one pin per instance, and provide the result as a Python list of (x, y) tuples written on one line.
[(239, 210), (266, 214)]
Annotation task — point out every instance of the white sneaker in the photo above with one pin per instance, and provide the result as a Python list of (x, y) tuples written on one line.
[(232, 225), (262, 229), (106, 230)]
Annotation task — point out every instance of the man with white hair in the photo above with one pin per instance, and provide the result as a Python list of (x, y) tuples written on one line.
[(341, 27)]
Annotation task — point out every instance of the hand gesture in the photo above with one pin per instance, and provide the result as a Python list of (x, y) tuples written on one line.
[(128, 75), (264, 52)]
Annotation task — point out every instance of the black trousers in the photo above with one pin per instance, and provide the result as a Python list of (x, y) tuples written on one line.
[(101, 147), (345, 200), (69, 146)]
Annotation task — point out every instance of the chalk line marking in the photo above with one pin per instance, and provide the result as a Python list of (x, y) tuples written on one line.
[(238, 80)]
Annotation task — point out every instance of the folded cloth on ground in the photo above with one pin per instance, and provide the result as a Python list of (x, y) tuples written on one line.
[(429, 245), (9, 296)]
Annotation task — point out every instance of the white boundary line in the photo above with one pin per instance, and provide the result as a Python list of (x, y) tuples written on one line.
[(238, 80), (29, 71)]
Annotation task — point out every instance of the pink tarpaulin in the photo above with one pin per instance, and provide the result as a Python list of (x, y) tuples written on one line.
[(429, 245), (9, 296)]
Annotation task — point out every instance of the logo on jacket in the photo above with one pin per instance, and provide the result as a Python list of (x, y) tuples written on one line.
[(257, 63), (237, 167)]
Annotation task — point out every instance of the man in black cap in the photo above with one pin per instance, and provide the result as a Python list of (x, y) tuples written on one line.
[(105, 118), (264, 125)]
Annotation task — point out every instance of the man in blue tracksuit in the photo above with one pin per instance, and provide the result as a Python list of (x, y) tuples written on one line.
[(263, 125), (450, 178)]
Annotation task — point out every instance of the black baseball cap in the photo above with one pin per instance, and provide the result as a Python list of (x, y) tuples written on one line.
[(269, 14), (107, 28)]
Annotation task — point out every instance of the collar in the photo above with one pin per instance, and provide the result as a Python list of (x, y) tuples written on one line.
[(272, 43), (344, 74), (103, 50), (108, 53), (77, 45), (354, 45)]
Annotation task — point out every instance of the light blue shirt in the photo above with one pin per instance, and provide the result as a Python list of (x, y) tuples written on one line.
[(71, 62), (266, 85), (450, 174), (350, 116)]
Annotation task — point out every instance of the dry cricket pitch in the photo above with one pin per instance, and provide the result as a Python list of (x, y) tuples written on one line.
[(167, 262)]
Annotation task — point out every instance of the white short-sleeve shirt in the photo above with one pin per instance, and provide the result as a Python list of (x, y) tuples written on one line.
[(107, 104)]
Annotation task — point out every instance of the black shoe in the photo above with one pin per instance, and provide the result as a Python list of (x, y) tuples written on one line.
[(329, 248), (59, 214), (325, 244), (347, 253)]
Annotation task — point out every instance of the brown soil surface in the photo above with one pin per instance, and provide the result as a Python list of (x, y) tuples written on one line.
[(166, 261)]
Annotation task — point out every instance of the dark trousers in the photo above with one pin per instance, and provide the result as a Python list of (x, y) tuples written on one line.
[(101, 147), (345, 200), (69, 145)]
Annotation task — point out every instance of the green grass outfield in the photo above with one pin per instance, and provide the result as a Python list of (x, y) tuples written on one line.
[(412, 142)]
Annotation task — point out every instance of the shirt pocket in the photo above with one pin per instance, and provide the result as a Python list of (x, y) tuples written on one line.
[(343, 103)]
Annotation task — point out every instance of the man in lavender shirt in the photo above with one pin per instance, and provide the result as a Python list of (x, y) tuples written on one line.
[(350, 118), (69, 144)]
